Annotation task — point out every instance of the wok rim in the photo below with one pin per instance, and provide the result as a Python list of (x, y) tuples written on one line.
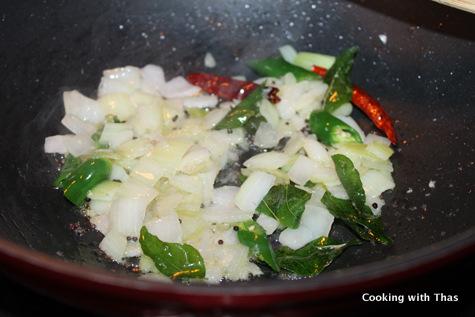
[(339, 283)]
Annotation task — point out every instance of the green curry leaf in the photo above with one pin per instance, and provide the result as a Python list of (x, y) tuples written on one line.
[(175, 260), (286, 203), (252, 235), (340, 89), (312, 258)]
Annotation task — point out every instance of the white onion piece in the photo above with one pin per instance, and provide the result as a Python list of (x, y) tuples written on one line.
[(78, 126), (200, 102), (318, 220), (167, 229), (127, 214), (104, 191), (154, 76), (223, 208), (187, 183), (195, 159), (82, 107), (148, 118), (376, 182), (226, 214), (288, 53), (114, 245), (208, 178), (121, 79), (99, 206), (374, 137), (147, 171), (253, 190), (132, 249), (301, 170), (295, 238), (269, 112), (78, 144), (167, 204), (118, 104), (266, 136), (314, 149), (136, 189), (224, 195), (120, 137), (294, 144), (209, 60), (179, 87), (101, 223), (55, 144), (110, 130), (344, 110), (268, 223), (118, 173), (135, 148), (269, 160)]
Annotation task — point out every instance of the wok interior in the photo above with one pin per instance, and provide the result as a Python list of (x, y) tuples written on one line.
[(420, 74)]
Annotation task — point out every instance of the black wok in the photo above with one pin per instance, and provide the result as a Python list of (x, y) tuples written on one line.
[(424, 75)]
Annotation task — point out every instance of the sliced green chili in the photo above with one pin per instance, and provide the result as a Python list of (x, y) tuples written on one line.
[(331, 130), (70, 164), (278, 67), (84, 178)]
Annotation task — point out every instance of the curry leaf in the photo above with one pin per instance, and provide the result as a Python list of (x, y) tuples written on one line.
[(351, 181), (286, 203), (366, 225), (252, 235), (340, 89), (175, 260), (312, 258), (354, 212), (245, 110)]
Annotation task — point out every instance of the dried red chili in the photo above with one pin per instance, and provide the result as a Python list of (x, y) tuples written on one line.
[(370, 106), (227, 88)]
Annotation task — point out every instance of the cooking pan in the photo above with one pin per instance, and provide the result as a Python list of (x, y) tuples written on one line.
[(415, 57)]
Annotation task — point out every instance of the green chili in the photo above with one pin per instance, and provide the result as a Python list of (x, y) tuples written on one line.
[(70, 164), (87, 175), (331, 130), (278, 67)]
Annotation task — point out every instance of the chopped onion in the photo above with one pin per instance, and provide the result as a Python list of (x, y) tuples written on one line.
[(147, 171), (318, 220), (179, 87), (288, 52), (127, 215), (78, 126), (268, 160), (82, 107), (209, 60), (114, 245), (301, 170), (200, 102), (295, 238), (55, 144), (118, 104), (167, 229), (78, 144), (253, 190), (268, 223), (154, 76)]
